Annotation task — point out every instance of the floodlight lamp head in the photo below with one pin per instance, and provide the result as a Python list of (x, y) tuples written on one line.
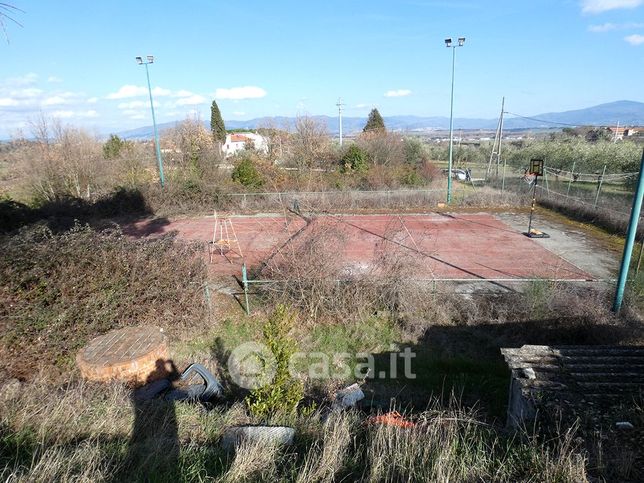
[(448, 42), (461, 41), (139, 60), (150, 59)]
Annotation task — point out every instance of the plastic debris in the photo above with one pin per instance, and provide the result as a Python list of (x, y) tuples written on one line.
[(624, 425), (196, 392), (392, 418), (279, 435), (347, 397)]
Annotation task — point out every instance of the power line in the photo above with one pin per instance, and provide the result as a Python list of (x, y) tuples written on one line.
[(541, 120)]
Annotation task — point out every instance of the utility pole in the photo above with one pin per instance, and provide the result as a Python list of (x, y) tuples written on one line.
[(616, 133), (150, 60), (630, 239), (496, 145), (448, 44), (340, 106)]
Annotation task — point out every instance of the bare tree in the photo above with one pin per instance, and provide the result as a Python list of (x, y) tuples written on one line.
[(383, 148), (61, 161), (194, 145), (277, 140), (6, 14), (310, 143)]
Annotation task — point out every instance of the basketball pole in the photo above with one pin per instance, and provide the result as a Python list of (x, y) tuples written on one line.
[(534, 200), (630, 239)]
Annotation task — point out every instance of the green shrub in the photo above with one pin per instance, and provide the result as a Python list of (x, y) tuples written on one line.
[(283, 393), (414, 152), (411, 177), (113, 147), (246, 173), (354, 160)]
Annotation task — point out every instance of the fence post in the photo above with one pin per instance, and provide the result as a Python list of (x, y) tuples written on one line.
[(572, 175), (545, 176), (599, 187), (630, 239), (245, 285)]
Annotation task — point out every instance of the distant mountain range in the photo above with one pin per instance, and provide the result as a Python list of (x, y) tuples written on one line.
[(628, 113)]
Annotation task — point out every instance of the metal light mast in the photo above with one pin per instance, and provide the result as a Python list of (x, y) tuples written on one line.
[(340, 106)]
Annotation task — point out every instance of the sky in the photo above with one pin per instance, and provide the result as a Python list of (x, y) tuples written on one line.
[(75, 60)]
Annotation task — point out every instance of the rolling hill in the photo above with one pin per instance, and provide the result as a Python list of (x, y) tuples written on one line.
[(626, 112)]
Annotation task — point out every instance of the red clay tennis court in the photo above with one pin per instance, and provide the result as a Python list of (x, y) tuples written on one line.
[(446, 246)]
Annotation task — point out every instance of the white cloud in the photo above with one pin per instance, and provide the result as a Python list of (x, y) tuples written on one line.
[(28, 93), (54, 101), (398, 93), (63, 114), (598, 6), (128, 91), (635, 39), (161, 92), (7, 102), (607, 27), (183, 93), (67, 114), (92, 100), (131, 105), (131, 112), (193, 100), (362, 106), (24, 80), (54, 79), (238, 93), (137, 116)]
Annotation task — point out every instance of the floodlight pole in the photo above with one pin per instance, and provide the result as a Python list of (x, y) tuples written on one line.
[(630, 239), (448, 43), (154, 121), (339, 104)]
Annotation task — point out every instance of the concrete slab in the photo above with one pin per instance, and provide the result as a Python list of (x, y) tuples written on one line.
[(569, 243)]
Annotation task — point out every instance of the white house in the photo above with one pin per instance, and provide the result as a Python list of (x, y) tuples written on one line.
[(239, 141)]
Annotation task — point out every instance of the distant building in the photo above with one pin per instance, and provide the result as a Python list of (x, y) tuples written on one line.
[(237, 142), (617, 132), (622, 132)]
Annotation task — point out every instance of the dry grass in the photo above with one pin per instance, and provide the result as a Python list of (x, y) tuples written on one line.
[(84, 433)]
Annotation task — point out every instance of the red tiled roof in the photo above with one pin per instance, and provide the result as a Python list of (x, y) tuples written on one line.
[(239, 138)]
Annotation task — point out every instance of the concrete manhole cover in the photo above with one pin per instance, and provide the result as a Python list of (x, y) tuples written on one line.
[(132, 354)]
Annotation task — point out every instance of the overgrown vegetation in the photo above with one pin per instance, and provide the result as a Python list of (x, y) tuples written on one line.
[(59, 290), (62, 283)]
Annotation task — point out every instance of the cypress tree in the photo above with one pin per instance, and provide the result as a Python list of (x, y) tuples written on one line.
[(374, 122), (217, 124)]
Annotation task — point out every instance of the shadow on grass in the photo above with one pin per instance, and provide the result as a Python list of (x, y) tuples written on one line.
[(464, 362), (124, 206)]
